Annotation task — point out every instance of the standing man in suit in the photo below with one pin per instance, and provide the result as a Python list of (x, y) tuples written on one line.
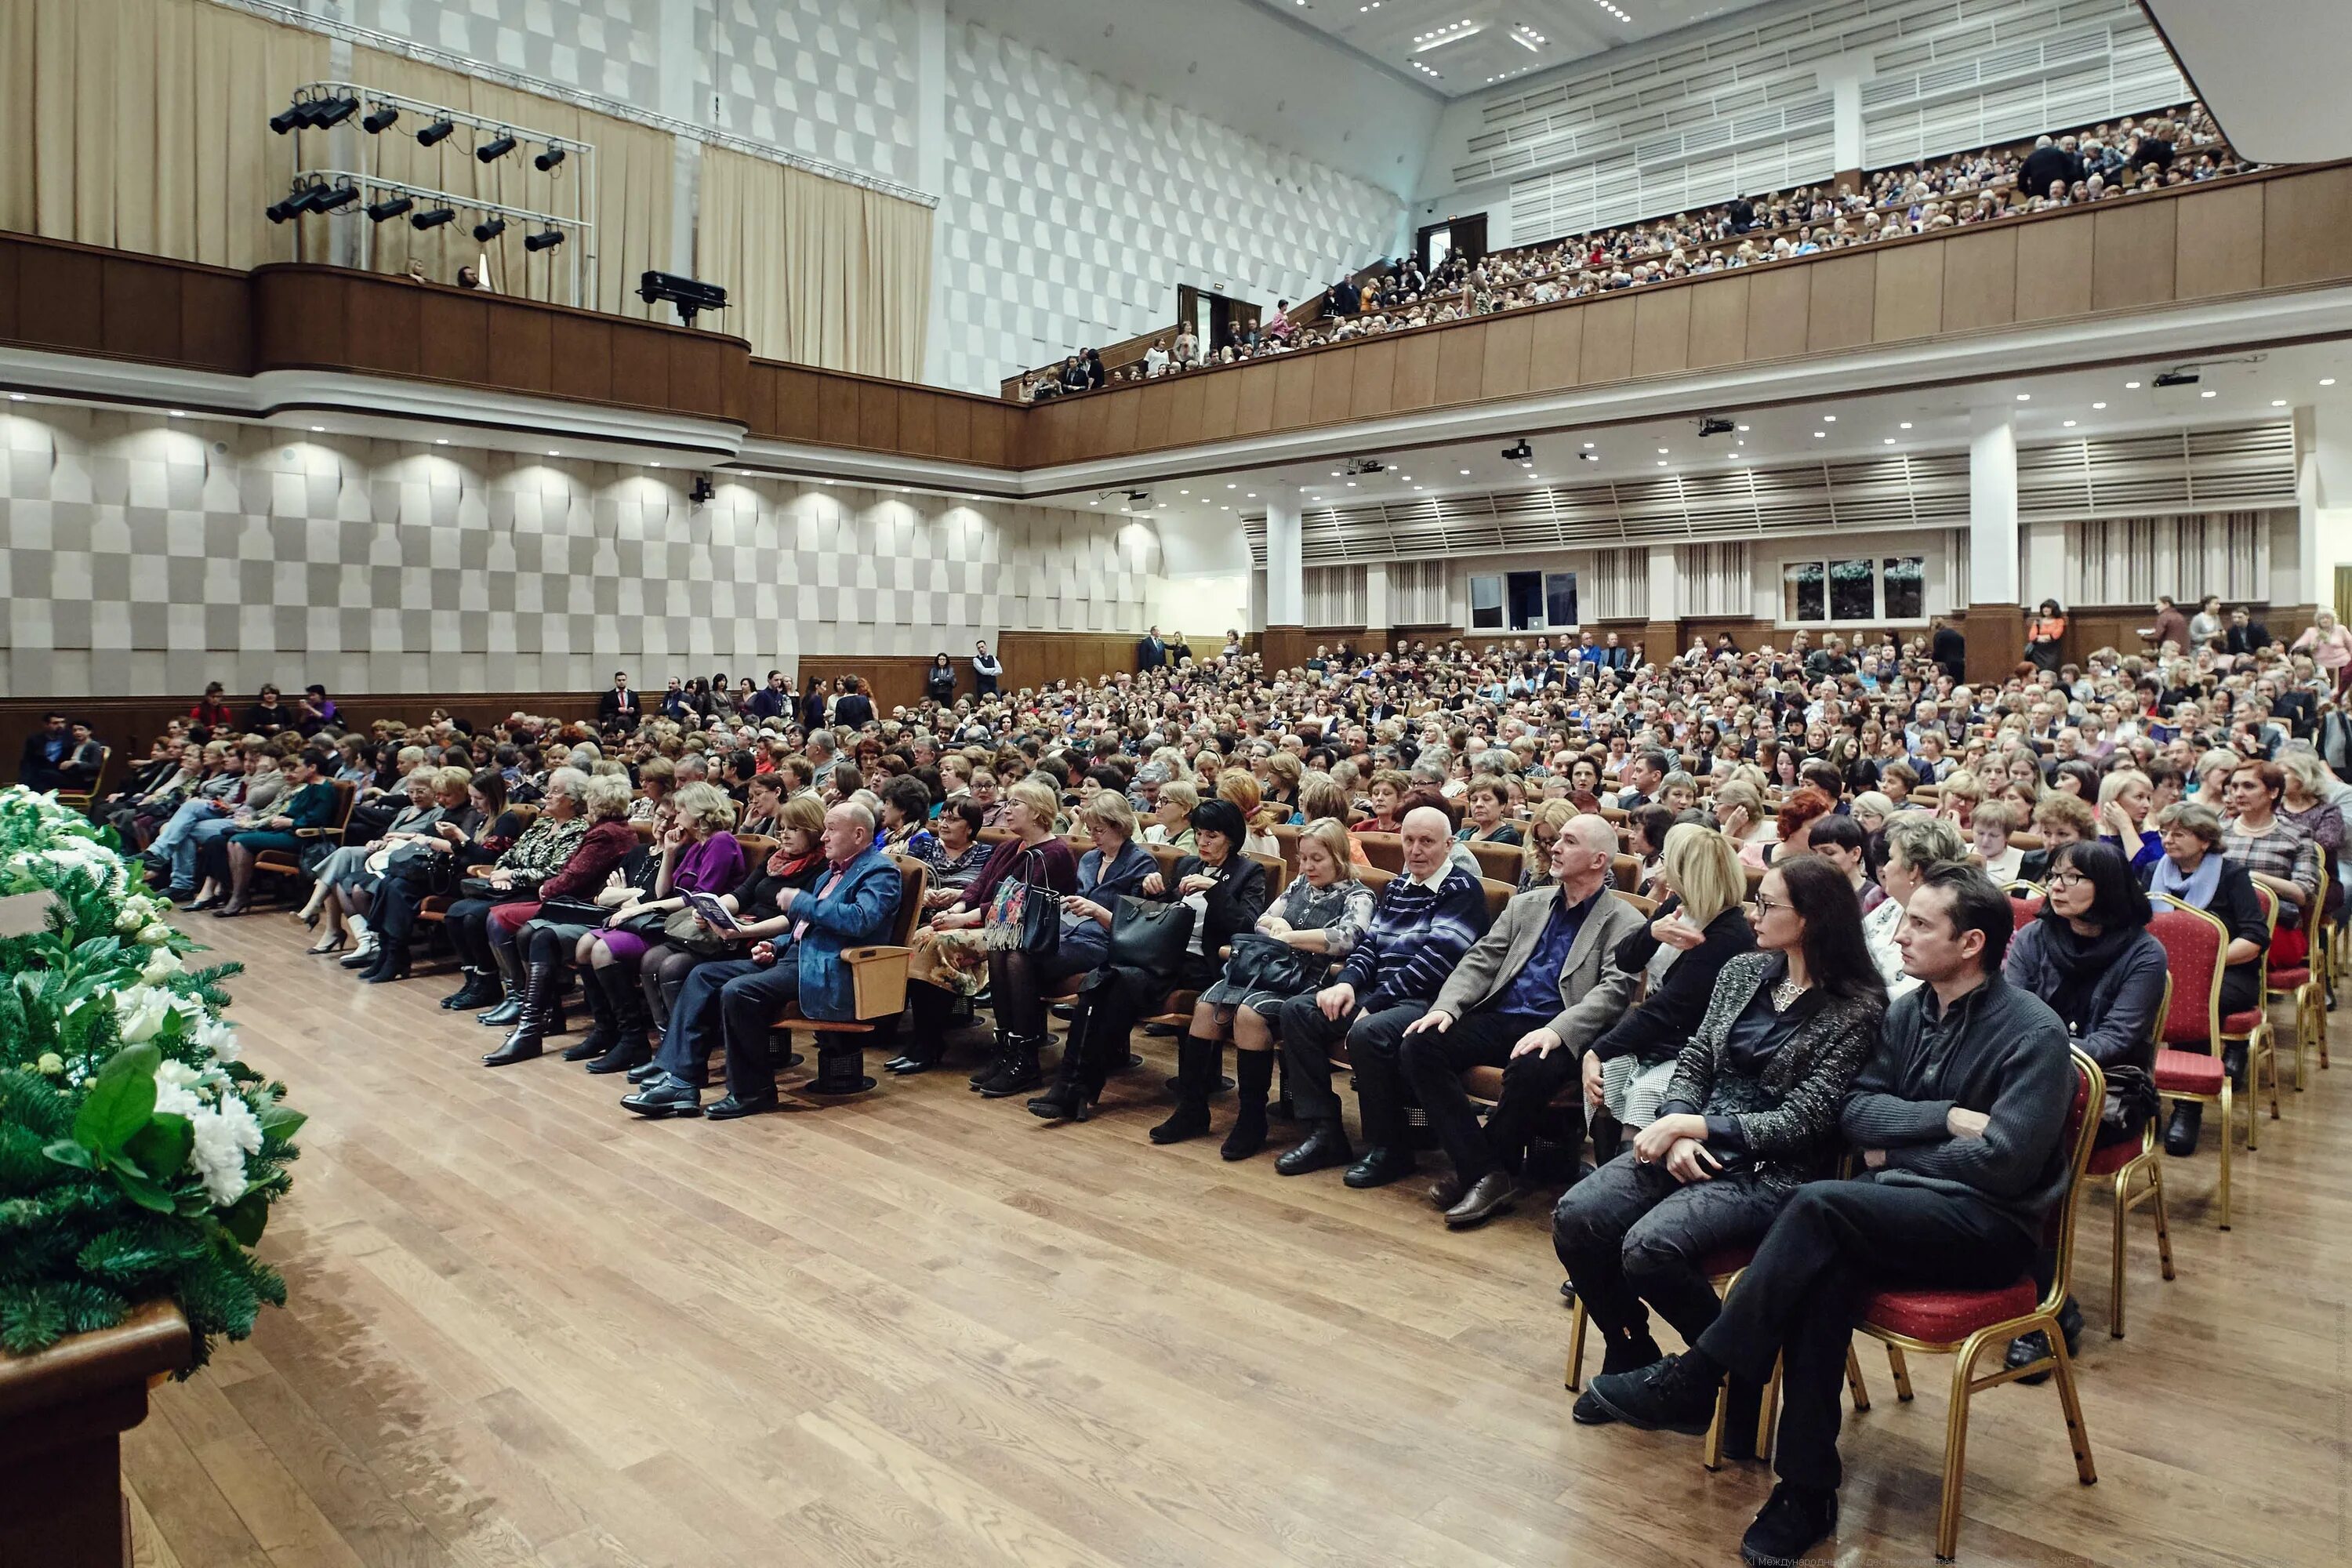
[(618, 709), (855, 902), (853, 710), (986, 671), (773, 701), (1529, 997), (1150, 653)]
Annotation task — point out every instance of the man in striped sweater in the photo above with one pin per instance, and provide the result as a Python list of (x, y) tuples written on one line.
[(1425, 921)]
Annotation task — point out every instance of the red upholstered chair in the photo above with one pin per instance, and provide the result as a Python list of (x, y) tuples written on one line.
[(2194, 944), (1963, 1323), (2303, 982), (2024, 908), (2135, 1173), (2252, 1028)]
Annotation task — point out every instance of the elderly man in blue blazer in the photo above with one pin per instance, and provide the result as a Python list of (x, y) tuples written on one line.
[(853, 904)]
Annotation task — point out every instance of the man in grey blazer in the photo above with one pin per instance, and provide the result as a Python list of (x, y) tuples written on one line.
[(1529, 997)]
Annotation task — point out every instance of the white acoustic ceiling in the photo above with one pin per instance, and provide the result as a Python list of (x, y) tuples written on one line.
[(2271, 71), (1458, 47)]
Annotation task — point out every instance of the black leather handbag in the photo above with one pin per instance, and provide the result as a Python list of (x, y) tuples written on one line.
[(1148, 935), (1260, 962)]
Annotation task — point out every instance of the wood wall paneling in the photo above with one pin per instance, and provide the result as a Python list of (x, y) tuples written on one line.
[(1184, 414), (2133, 249), (1843, 306), (2306, 222), (581, 357), (1119, 427), (993, 437), (1608, 341), (1719, 323), (1554, 360), (2054, 267), (1662, 320), (1461, 362), (1093, 421), (1980, 278), (382, 330), (1254, 399), (1416, 371), (2217, 243), (1152, 404), (1294, 391), (1510, 345), (138, 308), (453, 337), (58, 304), (12, 269), (919, 423), (1040, 658), (1334, 394), (837, 417), (1908, 298), (1780, 308), (877, 415), (1374, 390), (1220, 408), (641, 364), (953, 416)]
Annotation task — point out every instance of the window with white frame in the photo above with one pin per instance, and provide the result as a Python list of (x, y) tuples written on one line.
[(1853, 589)]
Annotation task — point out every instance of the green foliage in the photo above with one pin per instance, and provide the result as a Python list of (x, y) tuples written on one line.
[(104, 1198)]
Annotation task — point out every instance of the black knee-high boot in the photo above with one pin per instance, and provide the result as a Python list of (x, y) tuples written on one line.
[(602, 1026), (510, 973), (522, 1042), (1197, 1065), (1253, 1077), (930, 1007), (1070, 1099), (632, 1045)]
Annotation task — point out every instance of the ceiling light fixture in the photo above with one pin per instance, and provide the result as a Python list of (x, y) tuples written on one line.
[(2278, 403), (1905, 426), (2131, 386), (2209, 392), (2025, 398), (2069, 424), (1454, 33), (1819, 434), (2098, 405), (2327, 381)]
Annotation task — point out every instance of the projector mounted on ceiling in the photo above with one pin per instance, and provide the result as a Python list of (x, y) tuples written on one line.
[(1714, 427), (2183, 377)]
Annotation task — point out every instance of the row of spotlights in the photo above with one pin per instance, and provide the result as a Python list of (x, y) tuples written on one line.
[(319, 113)]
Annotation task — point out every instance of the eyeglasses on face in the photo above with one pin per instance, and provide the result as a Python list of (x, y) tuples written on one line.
[(1765, 906), (2069, 878)]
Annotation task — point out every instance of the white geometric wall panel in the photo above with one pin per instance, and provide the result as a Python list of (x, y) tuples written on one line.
[(1074, 206), (826, 79), (609, 47), (142, 554)]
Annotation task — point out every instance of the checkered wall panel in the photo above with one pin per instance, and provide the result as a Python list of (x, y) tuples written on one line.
[(139, 555), (826, 79), (1074, 206), (610, 47)]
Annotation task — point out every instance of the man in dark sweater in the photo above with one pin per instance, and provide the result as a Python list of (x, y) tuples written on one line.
[(1959, 1120)]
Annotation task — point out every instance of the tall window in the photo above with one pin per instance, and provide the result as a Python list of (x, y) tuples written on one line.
[(1560, 599), (1853, 588), (1487, 603)]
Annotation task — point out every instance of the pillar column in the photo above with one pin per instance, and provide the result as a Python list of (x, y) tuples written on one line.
[(2323, 493), (1992, 625), (1662, 637), (1376, 612), (1285, 581)]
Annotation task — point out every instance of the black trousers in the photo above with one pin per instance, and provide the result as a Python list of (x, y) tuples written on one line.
[(1434, 1063), (1307, 1037), (1629, 1233), (468, 926), (1834, 1244)]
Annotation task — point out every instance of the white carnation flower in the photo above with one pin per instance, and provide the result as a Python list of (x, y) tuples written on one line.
[(175, 1093), (224, 1137), (218, 1036), (161, 966), (133, 916), (156, 935), (140, 1011)]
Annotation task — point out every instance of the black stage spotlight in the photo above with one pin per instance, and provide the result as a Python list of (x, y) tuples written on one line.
[(549, 159), (332, 110), (390, 207), (492, 151), (378, 119), (293, 117), (489, 228), (435, 132), (547, 239), (327, 198), (433, 217), (688, 294), (297, 203)]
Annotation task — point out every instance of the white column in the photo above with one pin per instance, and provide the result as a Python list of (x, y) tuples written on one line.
[(1845, 119), (2323, 436), (1376, 597), (1286, 565), (1992, 508), (675, 46), (1664, 584)]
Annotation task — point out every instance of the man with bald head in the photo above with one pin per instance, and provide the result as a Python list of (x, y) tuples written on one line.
[(793, 956), (1528, 998), (1425, 921)]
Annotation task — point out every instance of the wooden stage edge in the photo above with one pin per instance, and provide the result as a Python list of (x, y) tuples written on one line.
[(922, 1328)]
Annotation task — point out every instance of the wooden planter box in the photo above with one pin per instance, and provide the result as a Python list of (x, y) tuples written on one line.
[(62, 1413)]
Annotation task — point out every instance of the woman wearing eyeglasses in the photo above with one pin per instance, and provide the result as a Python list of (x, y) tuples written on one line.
[(1751, 1114), (2090, 956)]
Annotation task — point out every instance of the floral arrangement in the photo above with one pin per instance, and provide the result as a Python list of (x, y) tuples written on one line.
[(137, 1156)]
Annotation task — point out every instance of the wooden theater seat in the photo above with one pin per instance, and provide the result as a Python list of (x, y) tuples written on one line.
[(878, 992)]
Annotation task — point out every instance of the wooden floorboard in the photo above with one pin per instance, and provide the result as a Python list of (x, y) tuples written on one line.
[(917, 1328)]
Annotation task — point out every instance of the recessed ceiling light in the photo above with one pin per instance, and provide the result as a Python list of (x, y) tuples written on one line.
[(1662, 462), (2278, 403), (1352, 484), (2069, 424), (1662, 448), (1253, 495), (2327, 381), (2131, 386), (2209, 392), (179, 414), (653, 465), (1183, 492), (1588, 446), (1224, 509), (1886, 440), (1233, 487), (554, 453), (2025, 398), (19, 397), (1466, 470), (317, 427), (1905, 426), (2098, 405), (1819, 434), (1743, 429)]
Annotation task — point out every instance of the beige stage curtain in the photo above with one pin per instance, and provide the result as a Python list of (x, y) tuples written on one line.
[(144, 125), (631, 188), (817, 271)]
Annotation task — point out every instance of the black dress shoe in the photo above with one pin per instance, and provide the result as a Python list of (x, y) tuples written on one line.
[(1793, 1520), (1671, 1395), (1628, 1355), (664, 1096), (2180, 1136), (1491, 1193), (1327, 1145), (904, 1066), (1381, 1166), (2027, 1348), (646, 1072), (513, 1051), (730, 1107), (1447, 1190)]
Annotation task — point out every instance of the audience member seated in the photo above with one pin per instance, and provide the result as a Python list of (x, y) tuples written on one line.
[(2089, 955), (1484, 806), (1750, 1115), (1423, 924), (1702, 924), (2194, 872), (1225, 891), (2277, 853), (531, 939), (225, 865), (59, 755), (340, 883), (513, 877), (1529, 996), (1958, 1118), (138, 812), (1912, 847), (477, 832)]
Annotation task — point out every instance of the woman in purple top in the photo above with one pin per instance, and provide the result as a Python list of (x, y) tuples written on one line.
[(698, 855)]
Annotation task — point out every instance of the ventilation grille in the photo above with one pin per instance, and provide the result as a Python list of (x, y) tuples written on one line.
[(2015, 92), (2199, 470), (1628, 187)]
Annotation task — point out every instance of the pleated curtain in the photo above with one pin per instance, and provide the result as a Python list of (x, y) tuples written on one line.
[(629, 179), (143, 125), (817, 271)]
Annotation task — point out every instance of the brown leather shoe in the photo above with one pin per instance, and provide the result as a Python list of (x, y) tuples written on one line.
[(1490, 1195), (1447, 1190)]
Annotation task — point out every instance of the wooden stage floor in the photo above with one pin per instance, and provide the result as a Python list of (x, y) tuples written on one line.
[(919, 1328)]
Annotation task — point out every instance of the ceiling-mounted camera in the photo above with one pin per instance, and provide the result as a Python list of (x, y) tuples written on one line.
[(701, 491)]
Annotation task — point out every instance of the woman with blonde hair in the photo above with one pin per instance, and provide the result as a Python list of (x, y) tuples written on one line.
[(1701, 924), (1543, 827), (537, 951), (1235, 785), (2127, 802), (1962, 793), (1740, 814), (1171, 814)]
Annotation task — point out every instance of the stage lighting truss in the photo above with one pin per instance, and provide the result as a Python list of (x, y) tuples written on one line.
[(390, 134)]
